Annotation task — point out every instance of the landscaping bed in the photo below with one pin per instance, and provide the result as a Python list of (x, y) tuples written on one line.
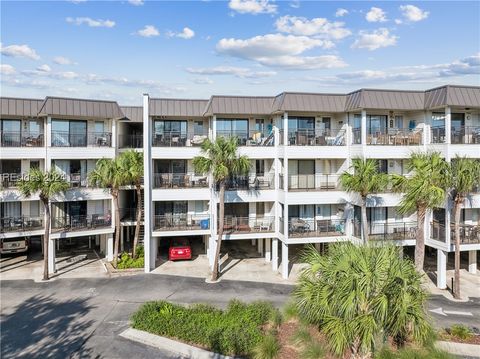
[(460, 334)]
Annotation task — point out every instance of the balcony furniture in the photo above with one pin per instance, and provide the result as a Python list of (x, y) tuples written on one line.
[(325, 225), (298, 225), (198, 139)]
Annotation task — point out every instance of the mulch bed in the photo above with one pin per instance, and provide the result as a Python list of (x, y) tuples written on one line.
[(475, 339)]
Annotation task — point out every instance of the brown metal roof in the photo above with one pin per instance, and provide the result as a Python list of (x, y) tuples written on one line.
[(59, 106), (133, 113), (19, 106), (236, 105), (385, 99), (309, 102), (177, 107)]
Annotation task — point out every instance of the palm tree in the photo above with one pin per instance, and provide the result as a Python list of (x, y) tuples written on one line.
[(366, 179), (47, 185), (423, 190), (109, 174), (463, 178), (132, 164), (358, 294), (221, 160)]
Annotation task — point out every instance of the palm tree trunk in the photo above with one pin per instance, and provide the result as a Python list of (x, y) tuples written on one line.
[(220, 231), (117, 228), (364, 220), (457, 212), (139, 218), (420, 245), (46, 239)]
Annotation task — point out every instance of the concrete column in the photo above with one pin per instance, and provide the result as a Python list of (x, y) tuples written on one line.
[(285, 129), (364, 128), (153, 251), (284, 260), (122, 239), (318, 247), (268, 250), (212, 247), (260, 246), (114, 134), (51, 256), (441, 269), (448, 132), (274, 254), (109, 253), (472, 261)]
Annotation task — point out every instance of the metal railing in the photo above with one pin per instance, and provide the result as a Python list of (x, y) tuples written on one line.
[(248, 224), (437, 134), (395, 137), (10, 180), (299, 227), (465, 135), (317, 137), (314, 182), (77, 180), (249, 183), (250, 138), (178, 139), (128, 214), (21, 139), (68, 139), (357, 136), (179, 180), (469, 233), (392, 231), (80, 222), (130, 141), (20, 223), (437, 231), (181, 222)]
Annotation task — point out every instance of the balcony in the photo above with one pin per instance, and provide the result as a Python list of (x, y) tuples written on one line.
[(178, 139), (318, 137), (21, 139), (250, 138), (249, 183), (437, 231), (10, 180), (469, 233), (314, 182), (94, 139), (241, 225), (299, 227), (21, 224), (130, 141), (357, 136), (465, 135), (128, 214), (390, 231), (81, 222), (179, 180), (181, 222), (395, 137)]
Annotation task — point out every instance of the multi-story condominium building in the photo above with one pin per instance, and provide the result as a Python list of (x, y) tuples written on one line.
[(298, 145)]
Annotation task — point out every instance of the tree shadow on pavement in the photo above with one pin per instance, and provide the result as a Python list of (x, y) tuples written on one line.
[(42, 327)]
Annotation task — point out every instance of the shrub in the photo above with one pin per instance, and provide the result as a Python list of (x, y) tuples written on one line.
[(460, 331), (267, 348), (312, 350), (413, 353), (126, 261), (290, 311), (234, 331)]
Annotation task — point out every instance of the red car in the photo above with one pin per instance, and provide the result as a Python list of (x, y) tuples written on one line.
[(179, 249)]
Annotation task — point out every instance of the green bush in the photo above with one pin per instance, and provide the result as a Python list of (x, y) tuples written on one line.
[(126, 261), (267, 348), (312, 350), (234, 331), (411, 353), (461, 331)]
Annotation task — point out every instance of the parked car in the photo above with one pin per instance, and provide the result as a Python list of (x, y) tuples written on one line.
[(13, 245), (179, 249)]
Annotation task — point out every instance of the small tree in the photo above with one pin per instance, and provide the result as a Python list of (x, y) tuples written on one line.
[(132, 164), (109, 174), (221, 160), (463, 178), (357, 294), (424, 189), (47, 185), (365, 180)]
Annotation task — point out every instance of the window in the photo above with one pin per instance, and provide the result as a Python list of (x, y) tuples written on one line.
[(259, 167), (260, 208), (376, 124), (232, 127), (11, 133), (198, 128), (199, 207), (99, 127), (438, 119), (170, 127), (399, 122), (34, 164), (34, 208), (69, 133), (301, 123)]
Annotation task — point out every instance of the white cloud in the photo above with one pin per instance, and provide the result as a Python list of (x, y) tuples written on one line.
[(398, 21), (466, 66), (376, 15), (90, 22), (77, 1), (148, 31), (319, 27), (44, 68), (252, 6), (341, 12), (60, 60), (19, 51), (7, 69), (202, 81), (136, 2), (295, 4), (375, 40), (412, 13), (241, 72), (186, 33)]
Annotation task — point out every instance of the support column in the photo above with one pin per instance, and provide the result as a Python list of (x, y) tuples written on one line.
[(268, 250), (317, 247), (275, 254), (260, 246), (441, 269), (109, 255), (284, 260), (51, 256), (122, 239), (363, 130), (472, 261)]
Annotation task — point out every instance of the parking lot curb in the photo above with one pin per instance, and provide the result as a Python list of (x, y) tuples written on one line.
[(460, 349)]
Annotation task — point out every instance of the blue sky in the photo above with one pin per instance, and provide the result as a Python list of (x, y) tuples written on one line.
[(121, 49)]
